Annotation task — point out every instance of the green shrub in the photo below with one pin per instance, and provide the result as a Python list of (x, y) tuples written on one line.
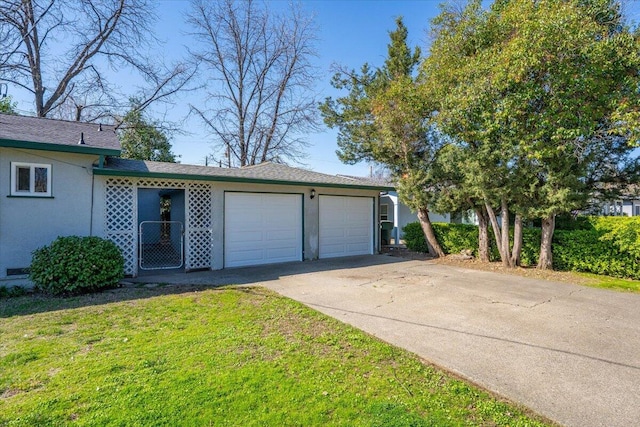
[(605, 249), (72, 265), (622, 232), (414, 237), (530, 246), (601, 245), (12, 291), (569, 222), (455, 238)]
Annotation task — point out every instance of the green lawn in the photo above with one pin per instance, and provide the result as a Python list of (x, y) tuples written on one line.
[(614, 283), (168, 356)]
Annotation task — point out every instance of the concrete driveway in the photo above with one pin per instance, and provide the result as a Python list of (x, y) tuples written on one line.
[(568, 352)]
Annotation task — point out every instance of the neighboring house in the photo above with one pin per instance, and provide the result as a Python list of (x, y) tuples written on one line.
[(626, 204), (394, 214), (62, 178), (393, 211), (621, 207)]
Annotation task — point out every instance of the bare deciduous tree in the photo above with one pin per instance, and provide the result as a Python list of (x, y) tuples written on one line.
[(60, 51), (260, 102)]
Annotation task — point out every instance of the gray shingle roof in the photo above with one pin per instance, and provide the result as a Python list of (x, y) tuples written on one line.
[(266, 172), (378, 181), (59, 132)]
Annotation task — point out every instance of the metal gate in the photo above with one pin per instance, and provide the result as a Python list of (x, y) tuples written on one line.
[(161, 245)]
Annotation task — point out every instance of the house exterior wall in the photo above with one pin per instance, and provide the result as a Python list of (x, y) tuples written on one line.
[(629, 207), (401, 215), (148, 205), (83, 204), (311, 213), (215, 229), (27, 223)]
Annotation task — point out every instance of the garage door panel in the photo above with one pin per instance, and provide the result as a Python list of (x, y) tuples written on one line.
[(357, 215), (332, 250), (333, 233), (247, 219), (282, 253), (281, 235), (346, 226), (244, 202), (262, 228), (358, 247), (239, 238), (242, 257), (358, 232)]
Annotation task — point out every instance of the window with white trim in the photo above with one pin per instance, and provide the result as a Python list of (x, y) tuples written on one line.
[(637, 213), (30, 179), (384, 212)]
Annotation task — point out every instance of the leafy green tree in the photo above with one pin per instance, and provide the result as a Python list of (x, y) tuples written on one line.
[(385, 119), (455, 78), (453, 196), (527, 88), (7, 106), (142, 139)]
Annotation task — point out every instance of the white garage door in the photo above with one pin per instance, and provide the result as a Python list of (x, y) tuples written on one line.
[(346, 226), (262, 228)]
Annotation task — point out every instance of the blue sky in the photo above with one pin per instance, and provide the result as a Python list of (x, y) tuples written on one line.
[(350, 33)]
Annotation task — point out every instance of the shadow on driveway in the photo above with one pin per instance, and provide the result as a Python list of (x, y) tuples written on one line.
[(172, 283)]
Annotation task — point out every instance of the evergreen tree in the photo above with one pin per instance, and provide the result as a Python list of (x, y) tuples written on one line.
[(529, 90), (385, 119), (7, 106), (143, 140)]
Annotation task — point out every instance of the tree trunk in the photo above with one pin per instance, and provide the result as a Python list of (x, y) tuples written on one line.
[(483, 235), (496, 229), (430, 236), (546, 256), (517, 241), (499, 232), (504, 216)]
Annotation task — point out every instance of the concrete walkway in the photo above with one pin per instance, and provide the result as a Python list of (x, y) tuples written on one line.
[(568, 352)]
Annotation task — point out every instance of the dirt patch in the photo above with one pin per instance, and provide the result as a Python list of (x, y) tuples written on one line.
[(496, 267), (403, 252), (10, 393)]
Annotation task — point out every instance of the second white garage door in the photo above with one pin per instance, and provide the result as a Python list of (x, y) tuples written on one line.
[(346, 226), (262, 228)]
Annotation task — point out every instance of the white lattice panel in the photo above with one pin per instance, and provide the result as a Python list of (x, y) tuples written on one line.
[(199, 206), (120, 219), (157, 183)]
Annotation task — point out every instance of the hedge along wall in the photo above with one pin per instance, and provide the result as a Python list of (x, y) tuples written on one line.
[(601, 245)]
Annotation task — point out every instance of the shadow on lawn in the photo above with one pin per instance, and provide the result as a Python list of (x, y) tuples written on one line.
[(149, 286)]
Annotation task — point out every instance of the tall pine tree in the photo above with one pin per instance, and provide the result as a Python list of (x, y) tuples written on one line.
[(385, 119)]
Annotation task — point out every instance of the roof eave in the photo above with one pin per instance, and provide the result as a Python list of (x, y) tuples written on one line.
[(80, 149), (195, 177)]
